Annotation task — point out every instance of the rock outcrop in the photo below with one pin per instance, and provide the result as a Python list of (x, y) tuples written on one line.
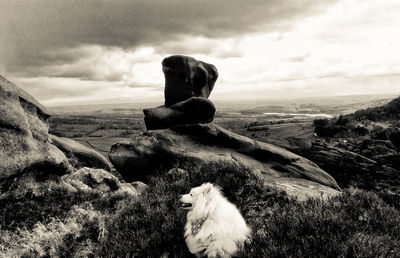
[(28, 154), (187, 115), (144, 154), (24, 144), (100, 181), (79, 155), (188, 84), (371, 164), (359, 149)]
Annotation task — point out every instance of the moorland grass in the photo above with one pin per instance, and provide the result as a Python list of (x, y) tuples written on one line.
[(354, 224), (27, 210)]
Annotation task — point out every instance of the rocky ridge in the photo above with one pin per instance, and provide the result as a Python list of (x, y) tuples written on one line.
[(360, 149), (30, 157), (181, 132)]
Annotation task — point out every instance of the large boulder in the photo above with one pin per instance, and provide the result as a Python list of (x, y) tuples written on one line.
[(188, 84), (79, 155), (143, 155), (24, 144), (185, 77)]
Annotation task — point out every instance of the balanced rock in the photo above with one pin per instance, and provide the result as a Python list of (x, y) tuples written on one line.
[(143, 155), (24, 144), (188, 84), (79, 155), (185, 77)]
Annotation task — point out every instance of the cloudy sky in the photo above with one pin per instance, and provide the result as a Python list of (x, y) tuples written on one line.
[(107, 51)]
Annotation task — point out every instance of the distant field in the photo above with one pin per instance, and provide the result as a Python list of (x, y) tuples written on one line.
[(99, 131), (100, 127)]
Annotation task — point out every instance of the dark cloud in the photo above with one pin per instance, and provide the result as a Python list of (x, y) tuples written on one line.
[(43, 32)]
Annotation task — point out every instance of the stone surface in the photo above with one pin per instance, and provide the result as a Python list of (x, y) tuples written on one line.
[(185, 77), (98, 180), (371, 164), (24, 144), (142, 155), (393, 134), (177, 173), (188, 84), (192, 111), (79, 155), (139, 186), (375, 149)]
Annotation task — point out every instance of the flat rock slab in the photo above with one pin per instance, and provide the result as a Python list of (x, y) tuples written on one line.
[(143, 154)]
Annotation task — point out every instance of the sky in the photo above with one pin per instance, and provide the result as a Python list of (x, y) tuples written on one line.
[(110, 51)]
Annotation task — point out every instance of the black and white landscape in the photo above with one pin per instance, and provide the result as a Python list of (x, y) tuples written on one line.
[(110, 110)]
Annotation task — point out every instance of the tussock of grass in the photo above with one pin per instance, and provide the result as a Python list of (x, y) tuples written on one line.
[(356, 223)]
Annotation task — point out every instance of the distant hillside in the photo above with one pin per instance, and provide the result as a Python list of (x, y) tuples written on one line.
[(362, 122), (386, 112)]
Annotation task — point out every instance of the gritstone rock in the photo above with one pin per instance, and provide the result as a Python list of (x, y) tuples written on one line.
[(24, 144), (79, 155), (185, 77), (188, 84), (98, 180), (142, 155), (27, 154), (192, 111)]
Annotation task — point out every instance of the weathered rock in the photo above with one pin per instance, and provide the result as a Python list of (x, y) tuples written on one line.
[(98, 180), (185, 77), (192, 111), (188, 84), (141, 156), (24, 145), (393, 134), (352, 168), (376, 148), (177, 173), (139, 186), (79, 155)]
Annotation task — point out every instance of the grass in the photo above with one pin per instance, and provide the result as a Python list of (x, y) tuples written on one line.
[(26, 211), (354, 224)]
